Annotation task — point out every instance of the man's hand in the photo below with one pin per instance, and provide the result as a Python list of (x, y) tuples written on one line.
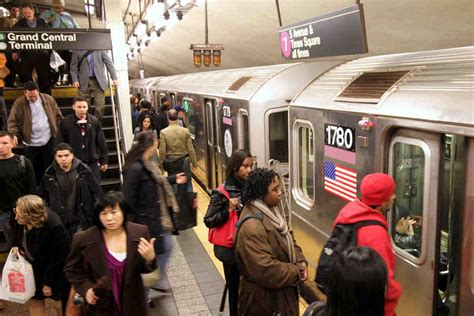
[(181, 178), (103, 167), (76, 84), (47, 291), (15, 56), (115, 82)]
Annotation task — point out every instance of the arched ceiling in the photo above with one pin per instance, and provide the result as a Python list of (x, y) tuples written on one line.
[(248, 29)]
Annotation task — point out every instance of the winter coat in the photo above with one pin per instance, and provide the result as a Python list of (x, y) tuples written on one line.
[(88, 191), (86, 266), (377, 238), (20, 120), (269, 281), (141, 193), (96, 147), (49, 247)]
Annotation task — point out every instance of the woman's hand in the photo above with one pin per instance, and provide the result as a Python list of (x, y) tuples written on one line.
[(233, 203), (181, 178), (147, 249), (303, 266), (47, 291), (90, 297)]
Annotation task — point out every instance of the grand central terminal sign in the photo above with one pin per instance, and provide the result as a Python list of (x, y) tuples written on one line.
[(57, 39)]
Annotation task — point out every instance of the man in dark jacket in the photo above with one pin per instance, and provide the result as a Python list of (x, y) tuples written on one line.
[(378, 195), (70, 189), (85, 135)]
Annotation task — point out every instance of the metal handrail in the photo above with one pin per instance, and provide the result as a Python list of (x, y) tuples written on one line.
[(118, 128)]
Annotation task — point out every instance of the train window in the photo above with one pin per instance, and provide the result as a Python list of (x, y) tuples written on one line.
[(304, 167), (190, 114), (278, 134), (409, 170), (243, 125)]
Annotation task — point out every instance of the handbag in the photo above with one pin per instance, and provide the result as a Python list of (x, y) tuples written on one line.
[(150, 279), (187, 201), (55, 61), (224, 235), (74, 308), (18, 281)]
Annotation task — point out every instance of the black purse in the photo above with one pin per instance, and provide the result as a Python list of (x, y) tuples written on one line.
[(187, 202)]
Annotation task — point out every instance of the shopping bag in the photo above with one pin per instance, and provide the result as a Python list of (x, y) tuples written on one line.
[(55, 61), (187, 201), (18, 282)]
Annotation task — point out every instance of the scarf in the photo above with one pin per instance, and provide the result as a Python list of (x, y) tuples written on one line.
[(165, 194), (276, 218)]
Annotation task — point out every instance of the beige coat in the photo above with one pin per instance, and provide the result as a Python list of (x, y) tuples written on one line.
[(176, 141), (269, 281), (20, 120)]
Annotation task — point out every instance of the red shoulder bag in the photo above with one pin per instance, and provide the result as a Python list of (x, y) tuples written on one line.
[(224, 234)]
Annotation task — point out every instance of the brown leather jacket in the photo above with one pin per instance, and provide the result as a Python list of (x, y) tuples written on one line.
[(20, 120), (269, 281)]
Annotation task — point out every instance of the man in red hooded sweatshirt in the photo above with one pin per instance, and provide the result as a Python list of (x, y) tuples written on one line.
[(377, 190)]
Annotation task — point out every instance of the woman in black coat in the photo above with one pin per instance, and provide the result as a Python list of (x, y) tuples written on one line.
[(47, 246), (150, 195), (239, 167)]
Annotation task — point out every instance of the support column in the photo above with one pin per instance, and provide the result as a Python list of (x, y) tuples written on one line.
[(117, 32)]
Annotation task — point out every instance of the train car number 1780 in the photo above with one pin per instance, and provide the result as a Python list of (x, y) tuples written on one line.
[(339, 136)]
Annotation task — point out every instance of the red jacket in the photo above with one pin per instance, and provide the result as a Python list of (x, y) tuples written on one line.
[(377, 238)]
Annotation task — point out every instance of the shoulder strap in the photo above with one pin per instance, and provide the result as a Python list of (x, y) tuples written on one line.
[(360, 224), (242, 220), (367, 223), (84, 57), (222, 190)]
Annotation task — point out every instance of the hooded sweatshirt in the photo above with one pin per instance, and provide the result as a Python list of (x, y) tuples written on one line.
[(377, 238)]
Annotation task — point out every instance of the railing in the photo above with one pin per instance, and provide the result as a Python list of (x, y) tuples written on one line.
[(118, 129)]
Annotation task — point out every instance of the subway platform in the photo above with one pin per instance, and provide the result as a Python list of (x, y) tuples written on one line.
[(194, 276)]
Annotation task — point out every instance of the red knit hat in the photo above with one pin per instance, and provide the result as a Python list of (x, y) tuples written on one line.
[(376, 188)]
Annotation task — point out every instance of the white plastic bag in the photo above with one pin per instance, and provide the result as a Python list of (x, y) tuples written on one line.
[(55, 61), (18, 281)]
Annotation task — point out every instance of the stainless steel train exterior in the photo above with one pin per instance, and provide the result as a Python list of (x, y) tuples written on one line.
[(412, 116), (225, 107)]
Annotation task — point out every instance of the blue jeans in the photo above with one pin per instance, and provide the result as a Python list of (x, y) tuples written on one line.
[(162, 260)]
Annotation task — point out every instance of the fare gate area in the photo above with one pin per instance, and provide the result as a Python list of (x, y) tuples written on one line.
[(194, 276)]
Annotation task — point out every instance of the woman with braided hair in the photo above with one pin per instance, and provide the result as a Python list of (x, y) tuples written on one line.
[(270, 262)]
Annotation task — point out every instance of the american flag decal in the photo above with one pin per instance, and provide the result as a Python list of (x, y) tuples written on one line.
[(340, 181)]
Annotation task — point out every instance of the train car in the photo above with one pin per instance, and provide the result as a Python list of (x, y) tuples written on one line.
[(141, 88), (241, 108), (412, 116)]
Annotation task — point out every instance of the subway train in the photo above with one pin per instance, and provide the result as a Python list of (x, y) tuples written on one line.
[(330, 123)]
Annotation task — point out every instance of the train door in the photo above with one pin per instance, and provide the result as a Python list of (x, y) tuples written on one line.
[(424, 220), (214, 164)]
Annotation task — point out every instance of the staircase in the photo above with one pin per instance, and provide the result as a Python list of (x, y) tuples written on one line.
[(64, 96)]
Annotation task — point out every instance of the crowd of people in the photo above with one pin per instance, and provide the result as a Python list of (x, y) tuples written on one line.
[(264, 265), (80, 241)]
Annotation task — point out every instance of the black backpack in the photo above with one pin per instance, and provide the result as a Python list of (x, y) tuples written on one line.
[(343, 236)]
